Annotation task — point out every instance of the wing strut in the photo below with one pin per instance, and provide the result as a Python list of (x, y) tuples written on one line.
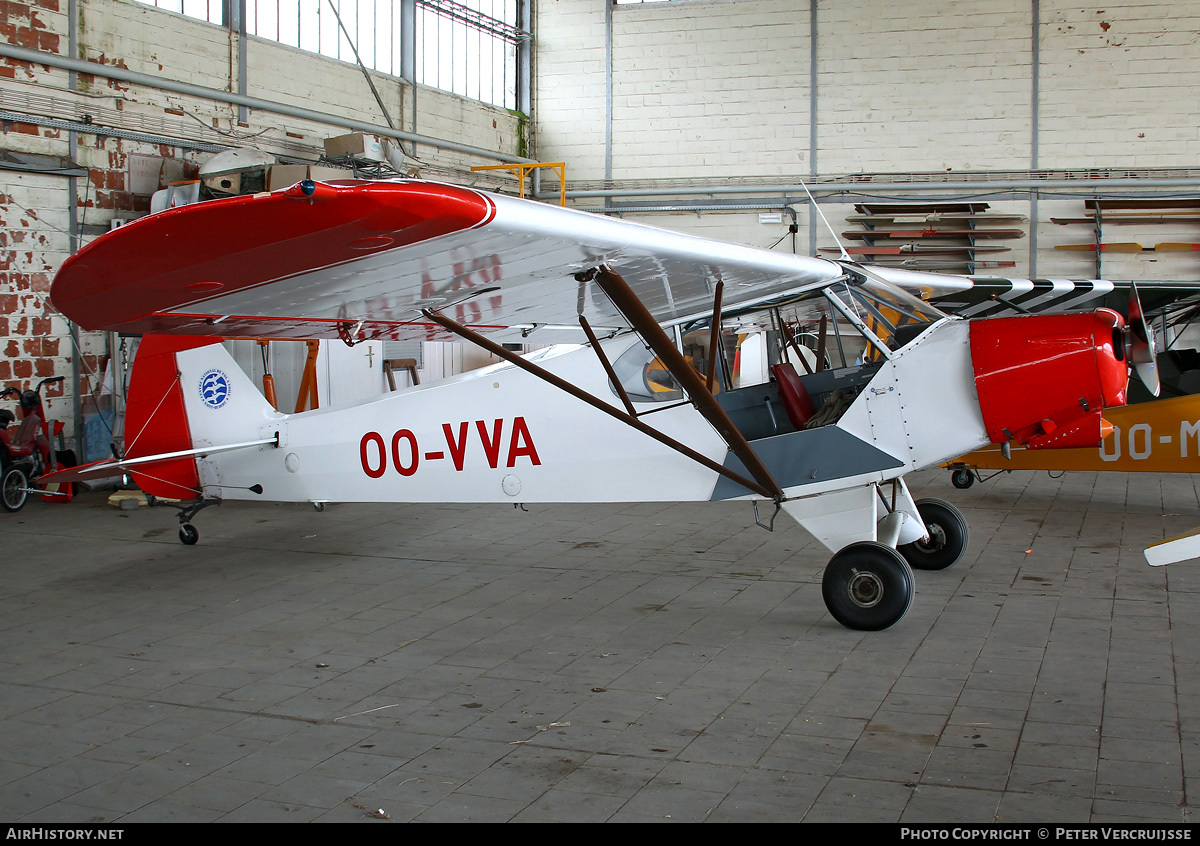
[(608, 368), (714, 339), (512, 358), (639, 317), (789, 340)]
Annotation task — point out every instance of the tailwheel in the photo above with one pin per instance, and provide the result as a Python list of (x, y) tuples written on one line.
[(962, 479), (188, 534), (948, 536), (14, 489), (868, 586)]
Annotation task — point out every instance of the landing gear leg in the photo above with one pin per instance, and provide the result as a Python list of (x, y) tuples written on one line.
[(868, 586)]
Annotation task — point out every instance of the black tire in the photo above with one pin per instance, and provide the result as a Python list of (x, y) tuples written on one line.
[(948, 536), (868, 586), (962, 479), (188, 534), (14, 489)]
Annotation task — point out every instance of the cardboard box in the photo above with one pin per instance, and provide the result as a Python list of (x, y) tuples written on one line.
[(360, 145), (285, 176), (320, 173)]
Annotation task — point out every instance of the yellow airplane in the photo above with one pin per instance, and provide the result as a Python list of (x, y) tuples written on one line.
[(1160, 436)]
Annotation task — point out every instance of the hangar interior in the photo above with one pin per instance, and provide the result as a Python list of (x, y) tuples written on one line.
[(708, 117), (737, 120)]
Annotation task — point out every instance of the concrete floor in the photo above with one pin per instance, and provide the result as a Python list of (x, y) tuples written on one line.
[(596, 663)]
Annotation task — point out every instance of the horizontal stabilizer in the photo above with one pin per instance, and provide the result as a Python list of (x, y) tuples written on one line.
[(1173, 550), (115, 467), (82, 473)]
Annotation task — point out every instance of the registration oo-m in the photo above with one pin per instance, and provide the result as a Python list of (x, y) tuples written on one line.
[(673, 368)]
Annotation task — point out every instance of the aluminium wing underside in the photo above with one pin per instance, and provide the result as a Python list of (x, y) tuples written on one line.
[(362, 260)]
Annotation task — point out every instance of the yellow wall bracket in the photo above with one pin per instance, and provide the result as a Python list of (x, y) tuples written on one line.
[(523, 170)]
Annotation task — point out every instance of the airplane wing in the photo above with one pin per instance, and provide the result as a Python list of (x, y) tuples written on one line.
[(990, 296), (361, 260)]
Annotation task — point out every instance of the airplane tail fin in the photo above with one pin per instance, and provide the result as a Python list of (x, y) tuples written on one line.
[(156, 417), (185, 393)]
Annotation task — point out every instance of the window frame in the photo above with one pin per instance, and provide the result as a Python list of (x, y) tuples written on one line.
[(507, 46)]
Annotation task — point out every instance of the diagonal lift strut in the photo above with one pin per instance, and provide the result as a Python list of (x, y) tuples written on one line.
[(512, 358), (692, 382)]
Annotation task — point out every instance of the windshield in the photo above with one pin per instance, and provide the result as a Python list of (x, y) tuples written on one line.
[(892, 315), (849, 323)]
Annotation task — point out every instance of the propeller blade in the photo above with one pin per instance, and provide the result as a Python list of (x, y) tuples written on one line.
[(1142, 352)]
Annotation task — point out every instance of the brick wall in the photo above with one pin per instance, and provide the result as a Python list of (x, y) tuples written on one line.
[(33, 223), (569, 91), (1118, 84), (722, 87), (928, 86), (701, 88), (33, 242), (36, 209)]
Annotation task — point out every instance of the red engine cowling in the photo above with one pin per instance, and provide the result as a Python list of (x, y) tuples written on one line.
[(1044, 379)]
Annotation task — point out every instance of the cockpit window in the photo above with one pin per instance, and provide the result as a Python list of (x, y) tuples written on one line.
[(893, 316), (644, 377)]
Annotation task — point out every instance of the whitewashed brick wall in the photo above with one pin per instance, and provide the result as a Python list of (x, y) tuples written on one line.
[(1120, 83), (569, 68), (927, 86), (152, 41), (722, 87)]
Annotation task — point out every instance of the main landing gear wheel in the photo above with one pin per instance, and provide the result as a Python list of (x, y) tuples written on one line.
[(14, 489), (962, 479), (948, 536), (188, 534), (868, 586)]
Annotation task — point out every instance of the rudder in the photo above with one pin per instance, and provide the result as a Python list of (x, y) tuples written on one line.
[(156, 417)]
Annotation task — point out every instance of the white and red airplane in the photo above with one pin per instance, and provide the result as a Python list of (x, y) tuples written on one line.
[(650, 401)]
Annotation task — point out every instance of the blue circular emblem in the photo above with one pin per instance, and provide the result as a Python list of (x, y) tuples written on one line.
[(214, 388)]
